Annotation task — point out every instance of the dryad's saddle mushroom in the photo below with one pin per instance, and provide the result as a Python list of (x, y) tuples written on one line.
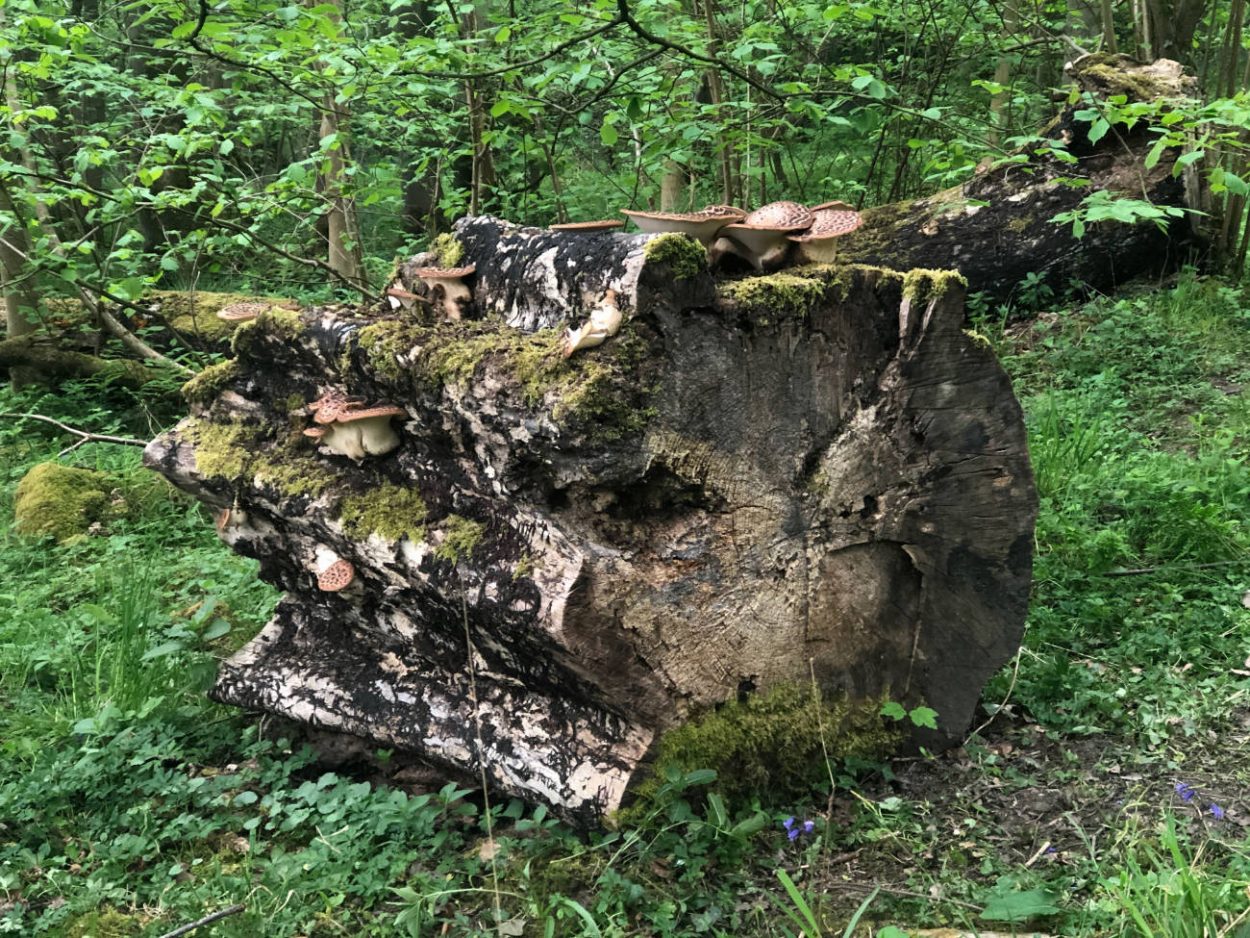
[(589, 227), (346, 428), (702, 225), (819, 244)]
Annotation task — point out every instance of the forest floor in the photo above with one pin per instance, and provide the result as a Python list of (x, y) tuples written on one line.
[(1107, 791)]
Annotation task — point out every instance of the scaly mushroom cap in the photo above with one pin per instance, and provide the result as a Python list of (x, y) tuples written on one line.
[(787, 216), (588, 227), (315, 433), (384, 410), (242, 312), (444, 273), (332, 405), (702, 227), (337, 576), (838, 206), (722, 211), (830, 223)]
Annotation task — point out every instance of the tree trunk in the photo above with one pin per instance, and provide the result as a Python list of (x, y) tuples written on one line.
[(21, 300), (755, 484)]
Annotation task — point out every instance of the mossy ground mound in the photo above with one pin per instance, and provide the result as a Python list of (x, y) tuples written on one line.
[(194, 314), (62, 501)]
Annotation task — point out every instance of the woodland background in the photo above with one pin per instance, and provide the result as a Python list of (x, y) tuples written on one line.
[(297, 150)]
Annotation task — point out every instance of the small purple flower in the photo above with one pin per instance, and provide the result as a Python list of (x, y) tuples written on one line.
[(1217, 812), (1186, 792), (795, 830)]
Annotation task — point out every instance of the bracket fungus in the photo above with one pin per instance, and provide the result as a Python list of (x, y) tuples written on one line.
[(589, 227), (399, 298), (819, 243), (702, 225), (760, 234), (242, 312), (337, 575), (604, 321), (345, 428), (449, 281)]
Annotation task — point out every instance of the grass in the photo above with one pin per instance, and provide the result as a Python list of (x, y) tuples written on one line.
[(130, 804)]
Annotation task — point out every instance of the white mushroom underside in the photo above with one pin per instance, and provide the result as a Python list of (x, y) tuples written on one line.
[(371, 436), (702, 231)]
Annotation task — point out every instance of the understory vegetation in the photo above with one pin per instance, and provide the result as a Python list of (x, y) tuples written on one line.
[(1104, 794)]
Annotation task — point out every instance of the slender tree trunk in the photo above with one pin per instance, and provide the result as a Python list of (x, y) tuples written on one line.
[(1108, 27), (346, 256)]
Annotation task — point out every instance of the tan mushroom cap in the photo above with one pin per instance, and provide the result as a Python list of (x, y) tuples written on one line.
[(779, 216), (337, 576), (698, 225), (242, 312), (383, 410), (721, 211), (315, 433), (836, 205), (606, 224), (444, 273), (402, 293), (830, 223), (332, 405)]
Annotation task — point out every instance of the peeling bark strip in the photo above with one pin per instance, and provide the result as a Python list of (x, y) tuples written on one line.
[(752, 479)]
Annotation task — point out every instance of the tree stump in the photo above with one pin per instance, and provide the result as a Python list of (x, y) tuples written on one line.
[(811, 476)]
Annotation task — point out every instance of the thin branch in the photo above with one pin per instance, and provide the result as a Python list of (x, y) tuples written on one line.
[(86, 437), (207, 919), (643, 33)]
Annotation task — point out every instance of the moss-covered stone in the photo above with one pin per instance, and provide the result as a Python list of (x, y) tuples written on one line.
[(62, 501), (922, 286), (684, 256), (773, 745), (104, 923), (460, 538), (447, 250), (784, 293), (389, 511), (210, 382)]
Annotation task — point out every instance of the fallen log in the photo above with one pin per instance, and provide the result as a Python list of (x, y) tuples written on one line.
[(813, 476), (996, 228)]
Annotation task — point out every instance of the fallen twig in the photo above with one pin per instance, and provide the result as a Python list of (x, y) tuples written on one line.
[(184, 929), (86, 437), (1175, 566)]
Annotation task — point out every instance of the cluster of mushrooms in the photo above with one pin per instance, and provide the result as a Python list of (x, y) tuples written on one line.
[(761, 238), (447, 291), (345, 427)]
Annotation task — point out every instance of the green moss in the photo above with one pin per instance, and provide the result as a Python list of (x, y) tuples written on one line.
[(460, 538), (684, 256), (62, 501), (104, 923), (782, 293), (389, 511), (195, 314), (283, 324), (1135, 87), (232, 451), (383, 343), (524, 567), (1018, 225), (773, 745), (210, 382), (921, 285), (447, 250)]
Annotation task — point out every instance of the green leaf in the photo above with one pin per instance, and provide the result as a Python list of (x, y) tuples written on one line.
[(217, 629), (1098, 130), (893, 710), (924, 716), (608, 135), (244, 798), (1019, 906)]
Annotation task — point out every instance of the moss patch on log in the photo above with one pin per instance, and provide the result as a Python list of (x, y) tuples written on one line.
[(275, 322), (195, 314), (210, 382), (772, 745), (389, 511), (447, 250), (684, 256), (923, 286), (62, 502), (231, 451), (460, 538), (785, 293)]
